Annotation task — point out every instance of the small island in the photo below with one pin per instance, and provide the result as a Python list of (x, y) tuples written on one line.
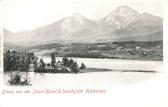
[(17, 62), (65, 66)]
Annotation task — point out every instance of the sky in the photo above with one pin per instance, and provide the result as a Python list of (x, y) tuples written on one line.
[(21, 15)]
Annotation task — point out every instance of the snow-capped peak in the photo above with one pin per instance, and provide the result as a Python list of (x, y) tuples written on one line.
[(123, 11), (73, 23), (78, 18), (77, 15), (121, 16), (126, 11)]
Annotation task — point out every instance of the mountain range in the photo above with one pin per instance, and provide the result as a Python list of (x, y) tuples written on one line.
[(122, 24)]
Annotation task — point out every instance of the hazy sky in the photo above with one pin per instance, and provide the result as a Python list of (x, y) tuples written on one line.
[(28, 14)]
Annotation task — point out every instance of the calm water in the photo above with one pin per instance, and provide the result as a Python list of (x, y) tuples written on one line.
[(116, 64), (97, 78)]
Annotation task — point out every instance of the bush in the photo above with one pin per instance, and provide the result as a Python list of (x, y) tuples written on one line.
[(17, 78), (74, 67), (82, 66)]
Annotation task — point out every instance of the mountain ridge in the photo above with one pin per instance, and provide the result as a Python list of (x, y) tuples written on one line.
[(122, 22)]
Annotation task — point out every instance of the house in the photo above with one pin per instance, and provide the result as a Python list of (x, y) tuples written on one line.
[(137, 47), (49, 67), (59, 65)]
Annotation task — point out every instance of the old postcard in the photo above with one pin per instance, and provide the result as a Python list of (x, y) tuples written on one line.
[(64, 50)]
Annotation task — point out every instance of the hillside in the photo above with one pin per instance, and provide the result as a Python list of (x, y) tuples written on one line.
[(118, 50)]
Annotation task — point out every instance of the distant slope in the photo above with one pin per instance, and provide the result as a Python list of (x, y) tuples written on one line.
[(144, 25), (157, 36), (8, 46)]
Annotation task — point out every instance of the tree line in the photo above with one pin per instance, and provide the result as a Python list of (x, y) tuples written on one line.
[(15, 60), (66, 65), (20, 61)]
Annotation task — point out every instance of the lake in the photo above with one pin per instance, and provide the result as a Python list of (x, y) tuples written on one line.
[(115, 77)]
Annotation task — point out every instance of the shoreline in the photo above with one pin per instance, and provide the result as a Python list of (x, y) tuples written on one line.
[(94, 70), (134, 59), (89, 70)]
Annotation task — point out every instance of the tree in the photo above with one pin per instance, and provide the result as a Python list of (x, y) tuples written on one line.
[(65, 61), (42, 64), (28, 61), (7, 61), (35, 62), (82, 66), (53, 60), (74, 67), (71, 61)]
